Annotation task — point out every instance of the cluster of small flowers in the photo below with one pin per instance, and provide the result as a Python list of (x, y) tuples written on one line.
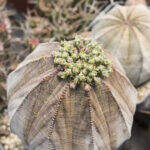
[(82, 60)]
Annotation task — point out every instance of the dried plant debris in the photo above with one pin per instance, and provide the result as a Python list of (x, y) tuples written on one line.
[(36, 27), (67, 17), (15, 44)]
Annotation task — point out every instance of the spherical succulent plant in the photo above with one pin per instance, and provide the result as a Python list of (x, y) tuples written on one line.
[(124, 31), (49, 109)]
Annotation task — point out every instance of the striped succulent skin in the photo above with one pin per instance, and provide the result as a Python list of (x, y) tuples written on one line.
[(124, 31), (47, 114)]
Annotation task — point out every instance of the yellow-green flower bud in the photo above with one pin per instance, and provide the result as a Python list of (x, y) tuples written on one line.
[(75, 70), (76, 80), (69, 60), (57, 54), (90, 67), (68, 71), (79, 65), (93, 73), (86, 42), (76, 42), (89, 79), (65, 54), (56, 60), (97, 80), (62, 75), (95, 43), (75, 56), (95, 52), (82, 77), (97, 59), (105, 73), (66, 44), (62, 61), (82, 56), (92, 61), (101, 68), (107, 62), (71, 65), (109, 69), (101, 58), (85, 65)]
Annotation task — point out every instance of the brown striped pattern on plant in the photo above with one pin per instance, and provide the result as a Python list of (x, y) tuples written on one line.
[(125, 31), (47, 114)]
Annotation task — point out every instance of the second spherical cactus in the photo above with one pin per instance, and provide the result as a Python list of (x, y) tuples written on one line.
[(125, 31)]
